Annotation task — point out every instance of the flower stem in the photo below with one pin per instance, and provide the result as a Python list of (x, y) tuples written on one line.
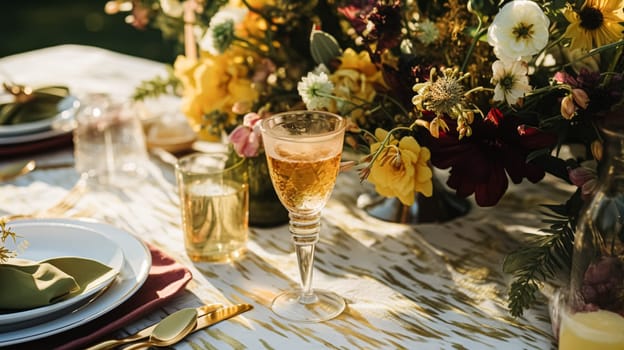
[(478, 34)]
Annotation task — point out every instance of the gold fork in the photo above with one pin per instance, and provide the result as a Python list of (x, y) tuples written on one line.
[(67, 202), (59, 208)]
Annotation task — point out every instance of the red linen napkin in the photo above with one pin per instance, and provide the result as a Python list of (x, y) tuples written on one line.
[(166, 278)]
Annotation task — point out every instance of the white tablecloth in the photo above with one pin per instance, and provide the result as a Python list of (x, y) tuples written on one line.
[(427, 286)]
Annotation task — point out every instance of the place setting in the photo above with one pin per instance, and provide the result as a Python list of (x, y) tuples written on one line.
[(114, 278), (32, 118), (75, 250)]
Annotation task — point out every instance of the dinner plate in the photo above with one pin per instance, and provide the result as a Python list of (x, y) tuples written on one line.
[(25, 128), (47, 241), (134, 272), (37, 136)]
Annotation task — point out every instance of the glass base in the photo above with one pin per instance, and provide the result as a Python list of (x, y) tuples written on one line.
[(219, 256), (324, 306)]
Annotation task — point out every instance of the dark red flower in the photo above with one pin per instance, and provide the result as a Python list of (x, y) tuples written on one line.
[(497, 149), (378, 24)]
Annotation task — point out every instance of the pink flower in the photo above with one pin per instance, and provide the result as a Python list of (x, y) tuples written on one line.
[(585, 178), (247, 138)]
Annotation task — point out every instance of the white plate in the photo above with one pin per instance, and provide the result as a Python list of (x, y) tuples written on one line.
[(66, 108), (38, 136), (47, 241), (137, 262)]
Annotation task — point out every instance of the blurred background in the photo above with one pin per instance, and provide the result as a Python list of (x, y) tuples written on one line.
[(32, 24)]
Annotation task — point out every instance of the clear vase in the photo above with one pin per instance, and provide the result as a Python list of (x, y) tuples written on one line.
[(265, 208), (590, 311)]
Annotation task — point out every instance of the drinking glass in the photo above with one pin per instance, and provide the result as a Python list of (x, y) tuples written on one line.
[(109, 144), (214, 202), (303, 150)]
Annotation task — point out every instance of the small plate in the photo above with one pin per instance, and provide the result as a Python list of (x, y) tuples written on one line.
[(46, 241)]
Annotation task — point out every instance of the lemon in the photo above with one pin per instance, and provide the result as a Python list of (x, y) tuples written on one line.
[(600, 329)]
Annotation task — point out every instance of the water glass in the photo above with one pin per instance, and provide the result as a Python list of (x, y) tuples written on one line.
[(109, 144), (214, 200)]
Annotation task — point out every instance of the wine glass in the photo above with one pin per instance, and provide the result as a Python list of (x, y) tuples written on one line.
[(303, 150)]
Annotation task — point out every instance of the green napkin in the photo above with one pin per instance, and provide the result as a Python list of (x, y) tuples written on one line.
[(41, 104), (26, 284)]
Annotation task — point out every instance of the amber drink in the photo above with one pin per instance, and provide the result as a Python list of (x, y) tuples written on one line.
[(303, 150), (214, 201)]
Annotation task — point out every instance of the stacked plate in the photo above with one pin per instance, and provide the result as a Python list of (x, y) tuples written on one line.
[(50, 238), (23, 137)]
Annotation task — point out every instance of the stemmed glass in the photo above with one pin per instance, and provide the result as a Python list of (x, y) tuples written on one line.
[(303, 150)]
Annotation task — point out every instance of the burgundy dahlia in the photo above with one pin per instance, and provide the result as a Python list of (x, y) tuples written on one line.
[(497, 149)]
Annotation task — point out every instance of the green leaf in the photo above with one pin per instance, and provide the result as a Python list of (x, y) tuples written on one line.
[(323, 47)]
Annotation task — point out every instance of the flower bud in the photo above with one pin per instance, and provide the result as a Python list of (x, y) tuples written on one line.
[(580, 97), (483, 7), (568, 109), (596, 150)]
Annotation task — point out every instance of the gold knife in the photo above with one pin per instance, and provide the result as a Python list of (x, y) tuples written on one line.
[(219, 315), (202, 311)]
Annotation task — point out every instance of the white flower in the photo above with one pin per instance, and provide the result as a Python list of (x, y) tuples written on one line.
[(220, 32), (172, 8), (315, 90), (427, 32), (519, 30), (511, 81)]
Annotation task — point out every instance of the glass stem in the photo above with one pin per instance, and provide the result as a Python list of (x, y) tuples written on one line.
[(305, 230)]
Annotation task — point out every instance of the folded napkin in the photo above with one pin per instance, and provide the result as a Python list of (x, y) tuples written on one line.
[(30, 105), (165, 280), (34, 284)]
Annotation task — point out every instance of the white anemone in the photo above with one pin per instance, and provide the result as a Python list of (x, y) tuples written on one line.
[(511, 81), (519, 30)]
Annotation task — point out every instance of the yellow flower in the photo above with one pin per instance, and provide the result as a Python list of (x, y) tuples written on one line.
[(214, 84), (596, 24), (356, 80), (402, 169)]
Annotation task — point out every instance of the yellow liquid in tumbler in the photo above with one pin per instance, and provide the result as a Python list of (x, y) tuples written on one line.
[(304, 181), (214, 219), (599, 330)]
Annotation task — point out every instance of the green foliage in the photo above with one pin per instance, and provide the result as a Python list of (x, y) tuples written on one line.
[(157, 86), (546, 258)]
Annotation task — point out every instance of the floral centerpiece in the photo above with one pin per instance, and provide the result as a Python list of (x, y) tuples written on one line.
[(491, 90)]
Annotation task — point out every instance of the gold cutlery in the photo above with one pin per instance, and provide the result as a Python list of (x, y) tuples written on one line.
[(13, 170), (207, 320), (145, 333), (170, 330)]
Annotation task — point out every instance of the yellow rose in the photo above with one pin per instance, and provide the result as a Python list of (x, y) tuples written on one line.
[(214, 84), (356, 79), (402, 169)]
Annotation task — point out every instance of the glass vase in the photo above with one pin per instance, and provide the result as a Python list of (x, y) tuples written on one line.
[(265, 208), (591, 310), (442, 206)]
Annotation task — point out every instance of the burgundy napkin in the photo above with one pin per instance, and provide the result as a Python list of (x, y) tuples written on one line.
[(166, 279)]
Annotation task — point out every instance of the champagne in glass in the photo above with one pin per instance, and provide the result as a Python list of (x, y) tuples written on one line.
[(303, 150)]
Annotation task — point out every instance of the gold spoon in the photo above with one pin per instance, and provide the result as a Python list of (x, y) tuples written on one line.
[(16, 169), (170, 330)]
